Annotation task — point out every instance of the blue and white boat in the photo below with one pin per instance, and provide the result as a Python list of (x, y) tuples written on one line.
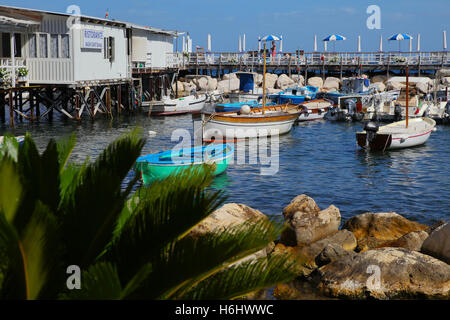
[(351, 86), (248, 88), (295, 95)]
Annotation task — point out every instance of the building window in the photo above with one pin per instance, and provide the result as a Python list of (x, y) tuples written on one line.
[(32, 46), (65, 46), (6, 45), (43, 45), (54, 46), (109, 48)]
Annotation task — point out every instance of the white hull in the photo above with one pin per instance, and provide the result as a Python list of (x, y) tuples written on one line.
[(243, 97), (400, 141), (181, 105), (223, 129)]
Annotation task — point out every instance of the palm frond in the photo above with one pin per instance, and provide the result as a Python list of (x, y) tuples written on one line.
[(158, 215), (241, 279), (204, 256), (99, 282), (96, 200), (32, 251), (11, 189), (65, 147)]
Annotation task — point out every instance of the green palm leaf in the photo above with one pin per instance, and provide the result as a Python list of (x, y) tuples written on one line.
[(241, 279), (96, 200)]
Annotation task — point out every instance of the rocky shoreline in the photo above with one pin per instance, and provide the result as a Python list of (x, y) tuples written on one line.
[(277, 83), (372, 256)]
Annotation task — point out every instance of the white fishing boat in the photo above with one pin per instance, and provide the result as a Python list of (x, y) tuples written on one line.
[(396, 135), (438, 111), (168, 106), (314, 109), (401, 134)]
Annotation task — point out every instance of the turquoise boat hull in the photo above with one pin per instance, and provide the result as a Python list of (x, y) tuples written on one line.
[(159, 166)]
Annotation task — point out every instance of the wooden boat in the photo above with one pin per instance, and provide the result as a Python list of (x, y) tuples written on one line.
[(267, 121), (257, 122), (188, 104), (20, 139), (227, 107), (160, 165), (314, 109), (396, 135)]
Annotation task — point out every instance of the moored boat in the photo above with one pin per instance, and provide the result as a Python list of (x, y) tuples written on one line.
[(314, 109), (396, 135), (19, 139), (295, 95), (160, 165), (188, 104)]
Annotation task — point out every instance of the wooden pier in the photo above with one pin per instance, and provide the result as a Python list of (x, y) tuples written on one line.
[(316, 62)]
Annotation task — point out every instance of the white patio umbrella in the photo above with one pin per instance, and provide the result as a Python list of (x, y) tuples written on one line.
[(381, 43), (445, 39), (359, 43), (334, 38), (243, 42), (315, 43), (399, 37), (418, 42), (240, 44), (208, 47)]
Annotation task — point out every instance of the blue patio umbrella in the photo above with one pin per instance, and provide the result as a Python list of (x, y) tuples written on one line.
[(270, 37), (334, 37), (400, 36)]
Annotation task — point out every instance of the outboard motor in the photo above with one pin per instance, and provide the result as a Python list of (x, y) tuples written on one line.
[(397, 112), (351, 109), (371, 129)]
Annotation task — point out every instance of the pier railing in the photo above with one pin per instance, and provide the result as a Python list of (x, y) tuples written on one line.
[(191, 60), (8, 70)]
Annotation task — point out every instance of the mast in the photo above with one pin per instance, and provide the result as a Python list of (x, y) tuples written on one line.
[(407, 95), (264, 80)]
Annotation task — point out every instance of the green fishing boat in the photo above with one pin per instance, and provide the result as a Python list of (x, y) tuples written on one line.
[(160, 165)]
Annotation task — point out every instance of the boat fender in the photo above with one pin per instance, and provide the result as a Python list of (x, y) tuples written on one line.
[(371, 129), (245, 109)]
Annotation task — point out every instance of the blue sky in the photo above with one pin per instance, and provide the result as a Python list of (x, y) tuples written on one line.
[(296, 20)]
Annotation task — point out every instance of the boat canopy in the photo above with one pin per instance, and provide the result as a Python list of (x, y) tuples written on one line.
[(247, 81)]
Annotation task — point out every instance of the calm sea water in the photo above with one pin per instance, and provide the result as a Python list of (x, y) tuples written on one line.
[(319, 158)]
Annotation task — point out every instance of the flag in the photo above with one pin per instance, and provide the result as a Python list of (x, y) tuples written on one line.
[(107, 14)]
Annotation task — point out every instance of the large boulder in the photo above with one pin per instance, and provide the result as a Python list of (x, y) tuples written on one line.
[(438, 243), (332, 252), (189, 86), (411, 241), (380, 86), (258, 79), (226, 86), (379, 79), (343, 238), (229, 215), (298, 79), (212, 84), (315, 82), (201, 83), (284, 82), (386, 273), (180, 86), (332, 83), (394, 85), (446, 81), (373, 229), (229, 76), (423, 87), (271, 80), (307, 223)]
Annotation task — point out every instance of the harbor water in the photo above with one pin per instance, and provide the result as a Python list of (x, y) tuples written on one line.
[(319, 158)]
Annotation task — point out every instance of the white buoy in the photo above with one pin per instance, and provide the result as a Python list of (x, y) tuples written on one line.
[(152, 133), (245, 109)]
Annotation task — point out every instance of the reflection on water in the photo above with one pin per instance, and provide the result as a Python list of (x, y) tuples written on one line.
[(319, 158)]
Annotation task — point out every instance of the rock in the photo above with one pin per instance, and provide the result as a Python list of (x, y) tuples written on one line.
[(393, 85), (446, 81), (332, 83), (332, 252), (229, 215), (380, 86), (202, 83), (300, 266), (379, 79), (438, 243), (229, 76), (423, 87), (373, 229), (211, 84), (188, 87), (273, 91), (315, 82), (180, 86), (284, 82), (258, 79), (226, 86), (271, 80), (411, 241), (387, 273), (298, 79), (306, 223), (343, 238)]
